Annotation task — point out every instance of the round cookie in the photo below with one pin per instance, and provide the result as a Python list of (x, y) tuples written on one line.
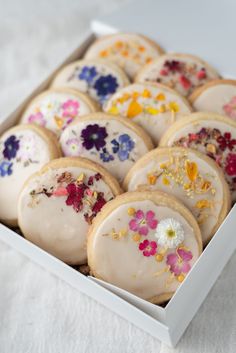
[(144, 242), (190, 176), (181, 72), (211, 134), (24, 149), (128, 50), (217, 96), (97, 78), (153, 106), (57, 205), (55, 109), (112, 141)]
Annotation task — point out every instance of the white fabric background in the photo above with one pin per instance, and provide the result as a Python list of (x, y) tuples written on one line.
[(38, 312)]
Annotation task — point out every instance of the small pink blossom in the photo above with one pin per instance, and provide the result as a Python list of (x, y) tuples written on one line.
[(37, 118), (230, 108), (60, 191), (141, 222), (70, 108), (72, 147), (179, 261), (149, 248)]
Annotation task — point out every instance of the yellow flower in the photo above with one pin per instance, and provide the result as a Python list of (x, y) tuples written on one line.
[(206, 185), (134, 109), (191, 169), (174, 107), (152, 179), (203, 204), (146, 93), (161, 97), (113, 110), (131, 211), (165, 181), (58, 121)]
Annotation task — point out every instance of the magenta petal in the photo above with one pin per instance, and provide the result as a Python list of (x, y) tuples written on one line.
[(143, 230), (171, 259), (186, 267), (133, 225), (152, 223), (146, 253), (153, 244), (141, 246), (185, 255), (139, 215), (175, 269), (150, 215)]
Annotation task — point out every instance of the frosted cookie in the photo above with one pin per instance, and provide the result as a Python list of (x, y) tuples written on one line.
[(192, 177), (130, 51), (212, 134), (154, 107), (145, 243), (112, 141), (57, 205), (55, 109), (217, 96), (24, 149), (97, 78), (181, 72)]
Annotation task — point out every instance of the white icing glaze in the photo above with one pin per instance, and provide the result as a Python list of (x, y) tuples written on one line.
[(72, 145), (196, 127), (84, 75), (215, 98), (140, 177), (129, 51), (155, 123), (32, 154), (55, 110), (120, 262), (52, 224), (152, 73)]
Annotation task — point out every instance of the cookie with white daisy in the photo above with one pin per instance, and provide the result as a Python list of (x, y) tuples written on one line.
[(97, 78), (128, 50), (190, 176), (145, 243), (182, 72), (211, 134), (112, 141), (152, 106), (55, 109), (217, 96), (57, 205), (24, 149)]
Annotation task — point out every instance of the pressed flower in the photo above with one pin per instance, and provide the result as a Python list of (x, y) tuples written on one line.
[(27, 148), (179, 261), (106, 156), (230, 108), (169, 233), (203, 204), (134, 109), (5, 168), (70, 108), (94, 136), (201, 74), (106, 85), (73, 147), (185, 82), (11, 146), (142, 222), (37, 118), (123, 146), (98, 204), (75, 195), (230, 167), (191, 169), (149, 248), (88, 74), (225, 141), (172, 65)]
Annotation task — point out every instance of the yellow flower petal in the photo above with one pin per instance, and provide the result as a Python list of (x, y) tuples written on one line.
[(136, 237), (165, 181), (113, 110), (134, 109), (191, 169), (203, 204), (152, 179), (152, 111), (58, 121), (146, 93), (131, 211), (161, 97), (174, 107)]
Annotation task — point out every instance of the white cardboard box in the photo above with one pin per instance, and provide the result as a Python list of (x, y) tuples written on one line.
[(168, 323)]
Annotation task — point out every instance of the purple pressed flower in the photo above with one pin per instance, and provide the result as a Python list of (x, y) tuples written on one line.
[(106, 156), (11, 146), (123, 146), (106, 85), (88, 74), (94, 136), (5, 168)]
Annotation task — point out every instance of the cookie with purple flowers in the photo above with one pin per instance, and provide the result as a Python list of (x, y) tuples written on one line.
[(211, 134), (152, 106), (182, 72), (192, 177), (55, 109), (145, 243), (217, 96), (57, 205), (97, 78), (128, 50), (112, 141), (24, 149)]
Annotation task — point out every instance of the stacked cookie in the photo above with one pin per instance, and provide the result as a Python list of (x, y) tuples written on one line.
[(112, 167)]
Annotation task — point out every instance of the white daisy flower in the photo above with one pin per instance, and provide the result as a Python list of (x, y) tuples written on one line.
[(169, 233)]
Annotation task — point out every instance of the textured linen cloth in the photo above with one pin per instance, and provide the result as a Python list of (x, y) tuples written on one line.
[(39, 313)]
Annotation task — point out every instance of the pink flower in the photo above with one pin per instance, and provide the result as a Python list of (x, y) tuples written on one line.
[(140, 223), (70, 108), (37, 118), (230, 108), (149, 248), (230, 167), (179, 261)]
